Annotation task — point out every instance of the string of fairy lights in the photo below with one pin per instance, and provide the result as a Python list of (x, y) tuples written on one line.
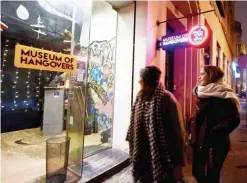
[(19, 99), (3, 66), (26, 102), (16, 93), (38, 91)]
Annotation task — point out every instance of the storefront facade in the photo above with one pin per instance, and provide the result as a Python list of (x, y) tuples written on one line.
[(79, 104), (111, 42)]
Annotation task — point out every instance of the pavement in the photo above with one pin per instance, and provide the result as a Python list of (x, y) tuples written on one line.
[(235, 166)]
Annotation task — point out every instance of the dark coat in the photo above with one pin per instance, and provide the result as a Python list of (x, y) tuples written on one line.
[(215, 119)]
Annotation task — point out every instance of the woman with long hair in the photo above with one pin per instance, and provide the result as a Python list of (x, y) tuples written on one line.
[(217, 115), (156, 132)]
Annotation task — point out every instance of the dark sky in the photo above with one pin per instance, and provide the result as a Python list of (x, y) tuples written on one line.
[(241, 11)]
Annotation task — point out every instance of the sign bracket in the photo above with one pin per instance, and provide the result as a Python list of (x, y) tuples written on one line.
[(187, 16)]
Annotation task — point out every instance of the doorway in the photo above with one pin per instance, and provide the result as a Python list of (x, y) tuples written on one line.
[(169, 71)]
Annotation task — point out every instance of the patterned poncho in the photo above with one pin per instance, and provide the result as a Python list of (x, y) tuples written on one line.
[(160, 161)]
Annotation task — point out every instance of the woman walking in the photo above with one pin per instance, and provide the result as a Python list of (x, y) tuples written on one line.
[(217, 115), (156, 132)]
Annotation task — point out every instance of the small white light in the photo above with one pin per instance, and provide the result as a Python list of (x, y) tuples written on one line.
[(37, 104), (15, 105), (13, 86), (6, 50), (22, 12), (15, 82), (28, 72), (2, 92), (7, 40), (3, 65), (17, 92), (28, 96), (25, 110), (28, 92), (26, 104), (4, 60), (4, 54), (17, 77), (16, 72), (13, 109), (7, 45), (2, 75), (28, 86), (26, 81), (25, 101), (2, 106), (16, 96), (14, 101)]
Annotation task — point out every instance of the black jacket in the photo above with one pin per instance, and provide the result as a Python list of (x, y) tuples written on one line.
[(215, 119)]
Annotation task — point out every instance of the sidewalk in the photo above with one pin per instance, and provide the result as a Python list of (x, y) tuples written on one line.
[(235, 166)]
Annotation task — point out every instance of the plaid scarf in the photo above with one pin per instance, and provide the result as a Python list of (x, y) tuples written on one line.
[(160, 157)]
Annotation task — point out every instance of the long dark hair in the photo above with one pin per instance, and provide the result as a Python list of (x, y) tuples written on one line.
[(151, 77)]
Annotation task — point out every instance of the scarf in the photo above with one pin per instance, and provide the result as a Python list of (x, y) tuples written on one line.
[(160, 157), (218, 90)]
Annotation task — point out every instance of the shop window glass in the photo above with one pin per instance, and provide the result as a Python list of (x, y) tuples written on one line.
[(101, 78), (58, 26)]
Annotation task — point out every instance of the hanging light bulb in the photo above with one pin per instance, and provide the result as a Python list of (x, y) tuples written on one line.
[(22, 12)]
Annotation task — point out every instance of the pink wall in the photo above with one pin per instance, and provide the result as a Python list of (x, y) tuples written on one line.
[(186, 60)]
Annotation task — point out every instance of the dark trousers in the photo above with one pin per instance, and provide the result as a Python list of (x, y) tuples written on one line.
[(206, 169)]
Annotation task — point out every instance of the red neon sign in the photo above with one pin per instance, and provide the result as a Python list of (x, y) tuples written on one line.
[(198, 35)]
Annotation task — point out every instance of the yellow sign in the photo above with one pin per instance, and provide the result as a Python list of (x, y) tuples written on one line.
[(34, 58)]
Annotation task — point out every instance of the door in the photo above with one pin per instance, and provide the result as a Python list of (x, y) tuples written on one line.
[(169, 70)]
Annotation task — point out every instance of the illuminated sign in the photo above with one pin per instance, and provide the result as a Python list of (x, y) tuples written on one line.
[(34, 58), (198, 36)]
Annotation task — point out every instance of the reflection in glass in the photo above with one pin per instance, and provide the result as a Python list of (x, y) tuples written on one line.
[(101, 75)]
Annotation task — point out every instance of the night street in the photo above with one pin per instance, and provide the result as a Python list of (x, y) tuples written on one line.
[(235, 167), (91, 88)]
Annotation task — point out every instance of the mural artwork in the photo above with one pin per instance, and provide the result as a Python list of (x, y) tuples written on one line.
[(101, 76)]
